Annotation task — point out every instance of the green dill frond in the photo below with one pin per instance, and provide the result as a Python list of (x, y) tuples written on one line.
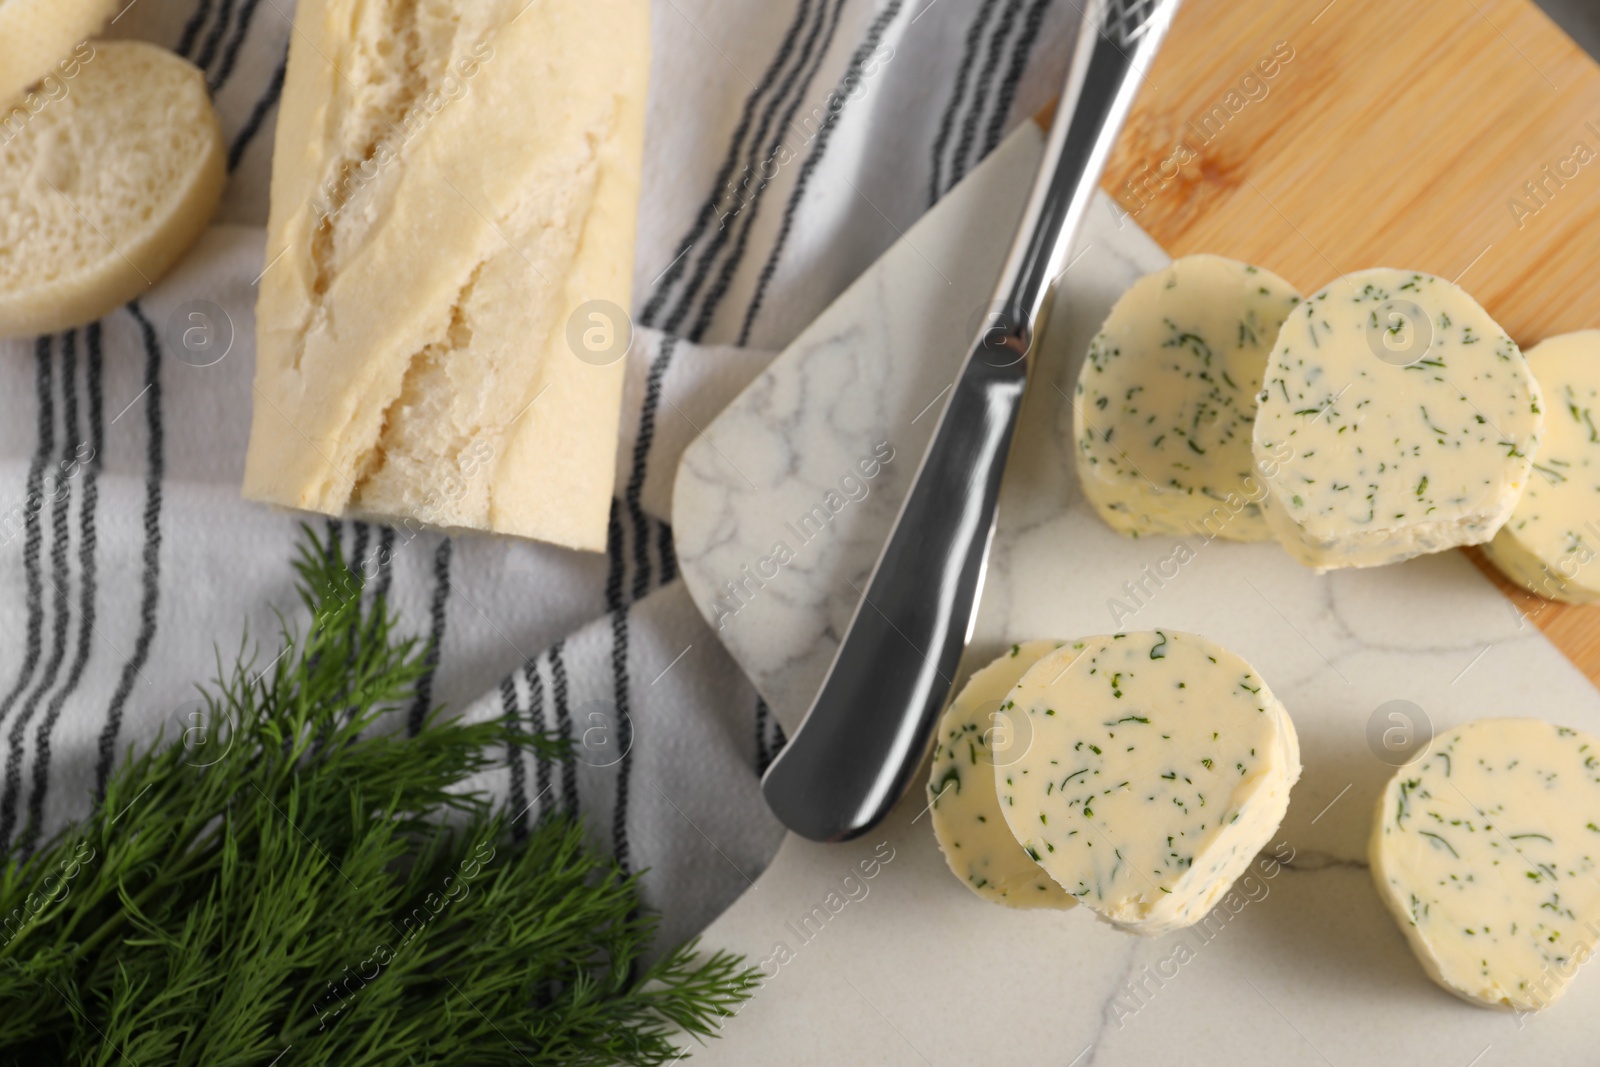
[(296, 874)]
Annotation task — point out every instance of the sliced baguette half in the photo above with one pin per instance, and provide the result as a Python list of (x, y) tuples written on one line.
[(441, 329), (35, 35), (105, 187)]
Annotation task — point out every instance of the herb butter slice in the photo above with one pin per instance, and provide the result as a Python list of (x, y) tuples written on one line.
[(1552, 540), (1487, 851), (1396, 419), (963, 807), (1167, 397), (1146, 771)]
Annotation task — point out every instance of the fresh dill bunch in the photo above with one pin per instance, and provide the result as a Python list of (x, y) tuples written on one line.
[(298, 881)]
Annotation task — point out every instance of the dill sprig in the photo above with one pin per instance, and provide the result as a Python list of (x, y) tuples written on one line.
[(294, 879)]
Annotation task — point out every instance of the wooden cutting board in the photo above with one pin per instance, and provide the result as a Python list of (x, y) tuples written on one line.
[(1316, 140)]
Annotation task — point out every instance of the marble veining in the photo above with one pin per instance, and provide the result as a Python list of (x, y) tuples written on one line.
[(1309, 968)]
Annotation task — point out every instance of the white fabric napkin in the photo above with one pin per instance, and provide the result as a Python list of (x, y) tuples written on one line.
[(789, 143)]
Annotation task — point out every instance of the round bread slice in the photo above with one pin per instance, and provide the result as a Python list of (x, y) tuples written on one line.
[(1487, 852), (962, 804), (1551, 543), (105, 188), (1146, 772), (1167, 397), (36, 35), (1396, 418)]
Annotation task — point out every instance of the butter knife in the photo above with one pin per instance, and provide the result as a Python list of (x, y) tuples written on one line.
[(859, 745)]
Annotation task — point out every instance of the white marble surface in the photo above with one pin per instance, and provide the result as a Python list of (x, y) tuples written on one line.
[(916, 970), (873, 369)]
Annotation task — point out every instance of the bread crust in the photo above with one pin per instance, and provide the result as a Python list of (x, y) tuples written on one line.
[(35, 35)]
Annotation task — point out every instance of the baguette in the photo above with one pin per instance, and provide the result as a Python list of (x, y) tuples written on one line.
[(453, 182)]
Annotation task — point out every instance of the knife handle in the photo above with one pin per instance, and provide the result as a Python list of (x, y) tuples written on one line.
[(858, 747)]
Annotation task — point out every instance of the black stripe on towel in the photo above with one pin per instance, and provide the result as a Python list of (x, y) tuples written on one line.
[(155, 471), (191, 29), (621, 695), (385, 563), (980, 102), (437, 613), (769, 736), (616, 555), (666, 551), (258, 114), (33, 498), (779, 739), (719, 290), (1021, 52), (515, 756), (384, 579), (846, 87), (641, 465), (541, 762), (358, 548), (763, 149), (87, 540), (619, 679), (230, 55), (60, 581), (334, 539), (569, 763), (708, 209), (763, 755), (213, 41), (958, 93)]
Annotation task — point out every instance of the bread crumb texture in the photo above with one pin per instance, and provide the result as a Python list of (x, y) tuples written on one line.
[(107, 174), (451, 183)]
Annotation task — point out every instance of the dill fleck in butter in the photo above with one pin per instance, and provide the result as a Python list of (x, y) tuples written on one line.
[(1152, 768)]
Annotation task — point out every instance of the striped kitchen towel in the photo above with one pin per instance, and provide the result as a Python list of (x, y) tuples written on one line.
[(789, 143)]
